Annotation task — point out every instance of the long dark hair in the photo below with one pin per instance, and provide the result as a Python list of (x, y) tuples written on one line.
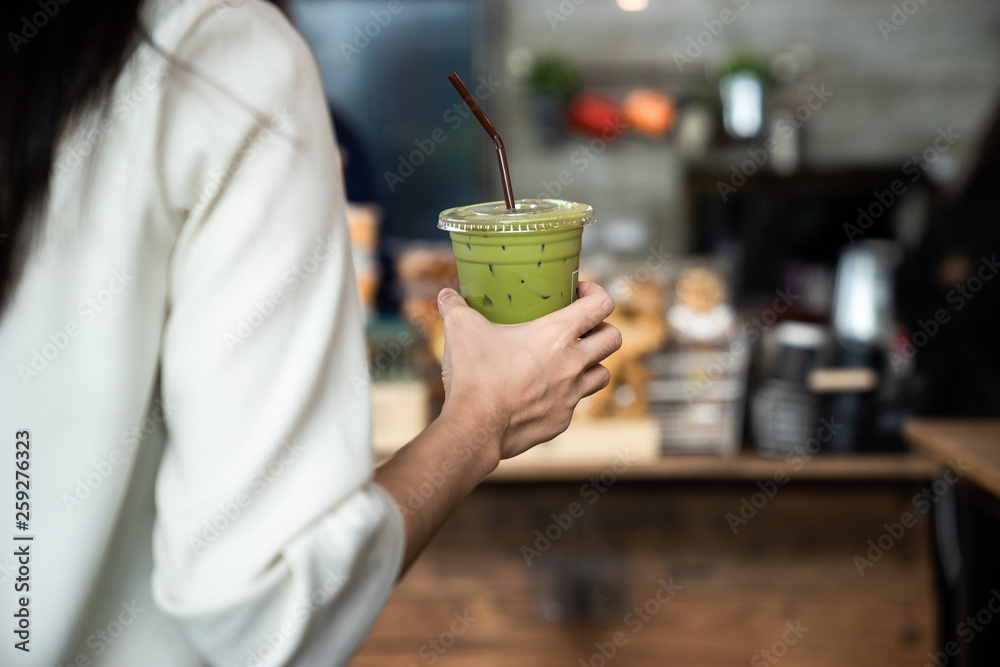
[(63, 61), (60, 60)]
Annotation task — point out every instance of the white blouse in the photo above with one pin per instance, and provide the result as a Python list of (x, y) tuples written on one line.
[(185, 352)]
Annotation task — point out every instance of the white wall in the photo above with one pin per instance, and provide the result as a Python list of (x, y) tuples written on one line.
[(940, 68)]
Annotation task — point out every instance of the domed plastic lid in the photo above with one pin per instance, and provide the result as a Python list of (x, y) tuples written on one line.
[(529, 215)]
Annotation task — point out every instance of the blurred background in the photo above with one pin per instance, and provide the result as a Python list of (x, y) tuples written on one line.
[(796, 216)]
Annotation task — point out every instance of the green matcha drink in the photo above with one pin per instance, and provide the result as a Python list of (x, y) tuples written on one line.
[(517, 265)]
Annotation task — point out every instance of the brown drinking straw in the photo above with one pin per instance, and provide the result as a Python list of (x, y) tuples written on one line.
[(508, 192)]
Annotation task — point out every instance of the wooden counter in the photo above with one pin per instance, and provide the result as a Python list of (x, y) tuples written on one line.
[(744, 466), (629, 449), (975, 443), (972, 448), (792, 561)]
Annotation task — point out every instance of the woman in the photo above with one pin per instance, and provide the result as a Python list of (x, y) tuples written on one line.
[(184, 344)]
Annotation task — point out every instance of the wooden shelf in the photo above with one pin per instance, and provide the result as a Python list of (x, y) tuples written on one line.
[(630, 449), (742, 467)]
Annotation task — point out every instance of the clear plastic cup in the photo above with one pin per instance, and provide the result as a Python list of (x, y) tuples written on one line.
[(516, 266)]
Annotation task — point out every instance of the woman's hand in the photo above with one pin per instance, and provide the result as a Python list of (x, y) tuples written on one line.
[(523, 381), (507, 388)]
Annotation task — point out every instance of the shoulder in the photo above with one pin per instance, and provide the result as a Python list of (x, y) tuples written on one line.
[(236, 69), (243, 46)]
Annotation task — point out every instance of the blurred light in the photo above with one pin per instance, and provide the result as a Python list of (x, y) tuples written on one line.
[(694, 130), (648, 111), (942, 169), (632, 5), (785, 156), (519, 62), (855, 305), (862, 302), (595, 114), (742, 96)]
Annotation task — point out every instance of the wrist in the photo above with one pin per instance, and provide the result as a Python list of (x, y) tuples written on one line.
[(478, 432)]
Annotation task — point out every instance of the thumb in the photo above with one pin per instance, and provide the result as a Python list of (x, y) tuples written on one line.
[(448, 300)]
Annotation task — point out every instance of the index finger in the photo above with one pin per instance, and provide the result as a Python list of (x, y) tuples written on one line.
[(591, 308)]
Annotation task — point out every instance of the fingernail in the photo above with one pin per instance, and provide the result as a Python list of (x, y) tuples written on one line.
[(444, 294)]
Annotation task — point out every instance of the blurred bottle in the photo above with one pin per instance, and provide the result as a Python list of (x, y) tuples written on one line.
[(785, 412), (863, 325)]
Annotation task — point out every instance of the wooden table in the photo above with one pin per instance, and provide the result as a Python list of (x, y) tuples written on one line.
[(971, 613)]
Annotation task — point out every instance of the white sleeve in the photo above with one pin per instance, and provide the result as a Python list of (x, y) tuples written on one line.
[(272, 544)]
